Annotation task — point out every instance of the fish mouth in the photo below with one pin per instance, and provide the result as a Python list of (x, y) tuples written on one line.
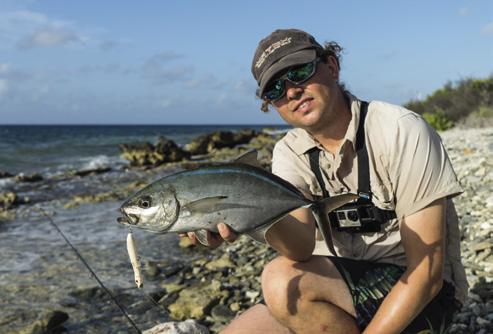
[(127, 219)]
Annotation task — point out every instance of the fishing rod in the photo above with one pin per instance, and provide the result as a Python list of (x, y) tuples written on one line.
[(120, 306)]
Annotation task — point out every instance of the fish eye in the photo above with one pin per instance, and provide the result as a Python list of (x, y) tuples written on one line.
[(144, 202)]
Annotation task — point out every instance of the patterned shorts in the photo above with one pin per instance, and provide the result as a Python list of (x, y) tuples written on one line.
[(370, 282)]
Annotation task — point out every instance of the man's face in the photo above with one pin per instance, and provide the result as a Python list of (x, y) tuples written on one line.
[(311, 104)]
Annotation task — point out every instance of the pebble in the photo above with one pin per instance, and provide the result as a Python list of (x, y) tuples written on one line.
[(471, 153)]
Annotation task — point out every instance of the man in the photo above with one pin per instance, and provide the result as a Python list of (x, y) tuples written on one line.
[(403, 276)]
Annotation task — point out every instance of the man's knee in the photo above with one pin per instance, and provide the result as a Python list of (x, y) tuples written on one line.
[(282, 284), (285, 282), (279, 286), (276, 277)]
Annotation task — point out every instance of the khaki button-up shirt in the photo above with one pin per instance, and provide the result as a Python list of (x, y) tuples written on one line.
[(409, 169)]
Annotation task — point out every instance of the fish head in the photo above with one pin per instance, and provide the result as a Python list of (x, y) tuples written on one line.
[(152, 208)]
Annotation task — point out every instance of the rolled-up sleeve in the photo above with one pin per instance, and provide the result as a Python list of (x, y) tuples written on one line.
[(420, 169), (287, 165)]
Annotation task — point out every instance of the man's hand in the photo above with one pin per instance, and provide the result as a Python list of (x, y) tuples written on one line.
[(214, 239)]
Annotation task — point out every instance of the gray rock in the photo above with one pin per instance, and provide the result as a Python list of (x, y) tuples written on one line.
[(21, 177), (184, 327), (222, 313), (47, 322), (4, 174)]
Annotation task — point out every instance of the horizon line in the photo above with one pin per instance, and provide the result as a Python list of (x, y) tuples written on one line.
[(143, 124)]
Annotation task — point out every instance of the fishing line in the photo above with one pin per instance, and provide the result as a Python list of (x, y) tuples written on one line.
[(122, 309)]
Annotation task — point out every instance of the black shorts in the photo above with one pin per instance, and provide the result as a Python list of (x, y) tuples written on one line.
[(370, 282)]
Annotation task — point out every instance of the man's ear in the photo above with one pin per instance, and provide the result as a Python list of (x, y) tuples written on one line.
[(333, 67)]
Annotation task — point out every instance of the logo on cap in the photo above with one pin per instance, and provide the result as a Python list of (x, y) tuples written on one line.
[(271, 49)]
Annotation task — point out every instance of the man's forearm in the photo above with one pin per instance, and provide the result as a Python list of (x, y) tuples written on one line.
[(406, 300)]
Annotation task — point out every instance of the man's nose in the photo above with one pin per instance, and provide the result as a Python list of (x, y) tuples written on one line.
[(293, 91)]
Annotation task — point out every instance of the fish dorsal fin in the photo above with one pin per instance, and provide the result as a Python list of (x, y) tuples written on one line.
[(204, 205), (201, 236), (248, 158)]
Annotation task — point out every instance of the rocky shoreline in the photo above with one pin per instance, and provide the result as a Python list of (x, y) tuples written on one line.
[(213, 286)]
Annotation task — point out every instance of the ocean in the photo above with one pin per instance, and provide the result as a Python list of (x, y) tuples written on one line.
[(51, 149)]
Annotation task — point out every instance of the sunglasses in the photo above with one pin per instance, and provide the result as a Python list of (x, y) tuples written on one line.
[(297, 74)]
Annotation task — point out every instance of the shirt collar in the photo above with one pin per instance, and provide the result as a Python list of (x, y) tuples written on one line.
[(305, 141)]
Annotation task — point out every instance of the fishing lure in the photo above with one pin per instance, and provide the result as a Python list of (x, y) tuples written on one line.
[(132, 253)]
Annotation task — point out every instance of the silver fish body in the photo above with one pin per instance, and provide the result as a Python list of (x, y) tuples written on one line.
[(245, 197)]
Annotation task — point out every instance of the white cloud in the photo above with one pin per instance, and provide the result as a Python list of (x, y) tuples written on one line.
[(464, 11), (163, 57), (4, 87), (28, 29), (488, 29), (4, 68), (209, 81), (155, 68), (246, 86), (49, 37)]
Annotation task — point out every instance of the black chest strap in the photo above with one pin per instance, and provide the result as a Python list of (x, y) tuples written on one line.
[(364, 189)]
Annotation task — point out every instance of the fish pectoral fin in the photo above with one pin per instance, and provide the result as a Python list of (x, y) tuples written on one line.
[(201, 236), (249, 158), (258, 235), (204, 205)]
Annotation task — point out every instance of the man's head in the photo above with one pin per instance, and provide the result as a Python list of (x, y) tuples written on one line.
[(280, 50), (288, 50)]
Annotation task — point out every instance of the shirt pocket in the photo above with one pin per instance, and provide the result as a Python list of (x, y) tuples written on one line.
[(382, 194), (383, 198), (313, 186)]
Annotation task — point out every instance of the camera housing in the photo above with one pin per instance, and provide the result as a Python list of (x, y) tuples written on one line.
[(361, 218)]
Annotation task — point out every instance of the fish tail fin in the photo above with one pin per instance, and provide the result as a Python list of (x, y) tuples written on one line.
[(321, 208), (329, 204)]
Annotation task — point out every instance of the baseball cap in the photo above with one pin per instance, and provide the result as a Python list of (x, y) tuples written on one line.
[(283, 48)]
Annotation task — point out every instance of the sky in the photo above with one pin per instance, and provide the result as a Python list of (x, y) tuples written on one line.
[(188, 62)]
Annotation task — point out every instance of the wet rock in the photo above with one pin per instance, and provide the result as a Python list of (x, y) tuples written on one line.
[(93, 198), (188, 326), (167, 151), (221, 263), (48, 322), (222, 313), (139, 154), (196, 301), (146, 154), (185, 242), (217, 140), (88, 294), (4, 174), (170, 269), (173, 287), (93, 171), (8, 200), (21, 177), (151, 269)]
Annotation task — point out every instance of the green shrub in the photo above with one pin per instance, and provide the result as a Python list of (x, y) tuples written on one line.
[(438, 120), (456, 100), (485, 112)]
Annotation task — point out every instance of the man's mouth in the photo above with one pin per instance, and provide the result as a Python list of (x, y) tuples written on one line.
[(304, 106)]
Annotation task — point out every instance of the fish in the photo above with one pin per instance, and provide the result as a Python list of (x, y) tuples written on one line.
[(241, 194)]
